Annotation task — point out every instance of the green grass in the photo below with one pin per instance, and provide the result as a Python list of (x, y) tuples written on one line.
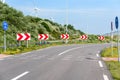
[(23, 48), (108, 52), (114, 68)]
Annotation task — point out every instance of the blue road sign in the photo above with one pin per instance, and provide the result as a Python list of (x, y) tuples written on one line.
[(5, 25), (116, 22)]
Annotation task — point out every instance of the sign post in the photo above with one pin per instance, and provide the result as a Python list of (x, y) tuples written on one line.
[(27, 37), (23, 36), (117, 24), (5, 27), (112, 38), (66, 40)]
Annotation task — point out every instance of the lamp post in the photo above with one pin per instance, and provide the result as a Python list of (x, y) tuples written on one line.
[(66, 20)]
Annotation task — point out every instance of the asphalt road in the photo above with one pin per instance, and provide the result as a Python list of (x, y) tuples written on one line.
[(73, 62)]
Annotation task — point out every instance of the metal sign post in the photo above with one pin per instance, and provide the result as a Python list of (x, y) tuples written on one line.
[(117, 24), (4, 41), (112, 38), (5, 27), (118, 46)]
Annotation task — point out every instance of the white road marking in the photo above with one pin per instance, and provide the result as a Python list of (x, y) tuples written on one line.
[(21, 75), (68, 50), (97, 55), (105, 77), (100, 63)]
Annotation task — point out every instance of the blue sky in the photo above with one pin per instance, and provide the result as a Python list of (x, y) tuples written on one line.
[(90, 16)]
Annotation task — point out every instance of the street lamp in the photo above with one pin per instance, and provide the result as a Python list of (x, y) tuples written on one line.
[(36, 11), (66, 19)]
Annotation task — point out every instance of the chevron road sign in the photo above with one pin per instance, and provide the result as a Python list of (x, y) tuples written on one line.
[(83, 37), (101, 37), (23, 36), (64, 36), (43, 36)]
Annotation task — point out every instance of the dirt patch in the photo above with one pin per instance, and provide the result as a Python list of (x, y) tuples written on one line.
[(3, 56), (109, 59)]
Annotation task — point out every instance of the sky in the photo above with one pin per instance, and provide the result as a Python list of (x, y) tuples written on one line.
[(89, 16)]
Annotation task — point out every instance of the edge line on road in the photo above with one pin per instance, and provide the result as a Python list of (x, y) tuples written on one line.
[(105, 77), (100, 63), (97, 55), (68, 50), (21, 75)]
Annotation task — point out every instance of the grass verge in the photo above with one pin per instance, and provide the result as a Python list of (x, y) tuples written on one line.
[(107, 52), (23, 48), (114, 68)]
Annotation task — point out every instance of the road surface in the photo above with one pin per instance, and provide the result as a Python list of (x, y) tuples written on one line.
[(73, 62)]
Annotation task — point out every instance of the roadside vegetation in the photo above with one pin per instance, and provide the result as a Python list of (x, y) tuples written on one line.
[(107, 52), (113, 66), (19, 23), (18, 49), (23, 48)]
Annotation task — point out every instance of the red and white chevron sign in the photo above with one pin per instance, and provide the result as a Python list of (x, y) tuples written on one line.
[(83, 37), (64, 36), (101, 37), (43, 36), (23, 36)]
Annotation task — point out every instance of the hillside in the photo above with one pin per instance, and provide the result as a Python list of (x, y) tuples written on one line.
[(18, 23)]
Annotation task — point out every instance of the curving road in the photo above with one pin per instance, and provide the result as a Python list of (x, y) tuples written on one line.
[(73, 62)]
